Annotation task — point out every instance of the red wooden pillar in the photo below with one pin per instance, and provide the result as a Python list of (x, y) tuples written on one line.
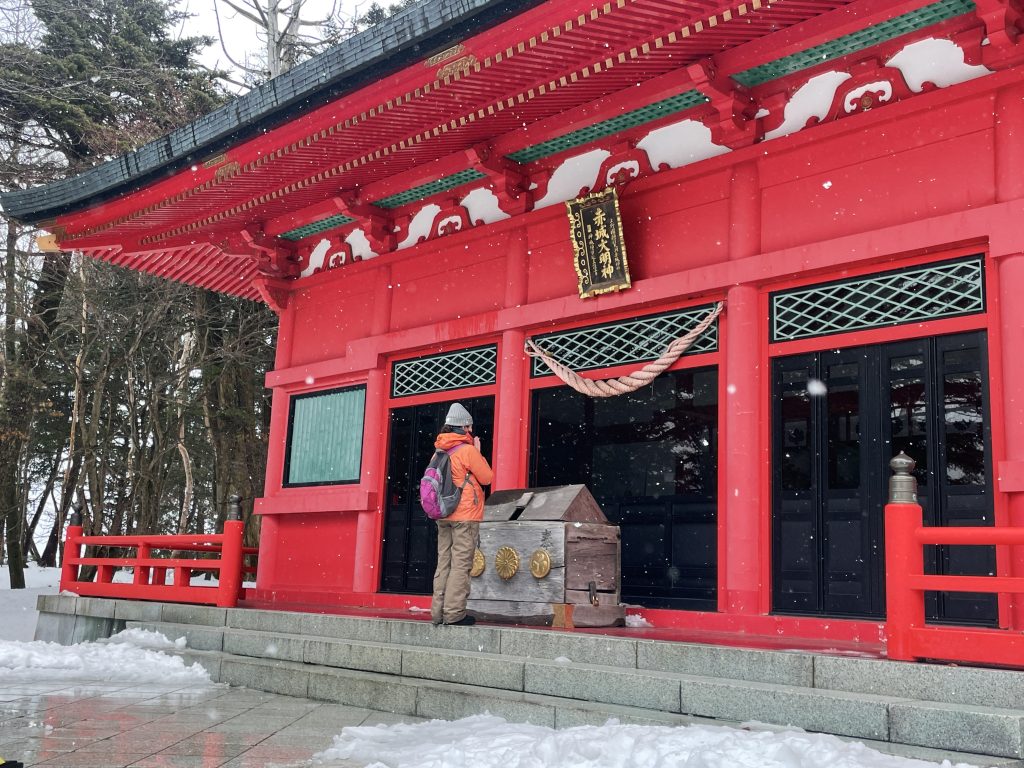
[(1010, 471), (741, 464), (279, 405), (740, 510), (511, 408), (370, 523), (1009, 159), (266, 565), (367, 549)]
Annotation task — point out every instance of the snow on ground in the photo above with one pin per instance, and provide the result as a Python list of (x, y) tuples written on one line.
[(484, 741), (131, 656), (127, 657), (18, 606)]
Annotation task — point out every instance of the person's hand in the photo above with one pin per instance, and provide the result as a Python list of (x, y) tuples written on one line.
[(476, 443)]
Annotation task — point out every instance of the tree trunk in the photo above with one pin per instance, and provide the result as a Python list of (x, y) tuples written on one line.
[(25, 358), (40, 507), (15, 402), (54, 542)]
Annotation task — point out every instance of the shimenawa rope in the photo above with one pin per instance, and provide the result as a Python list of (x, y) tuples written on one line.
[(633, 381)]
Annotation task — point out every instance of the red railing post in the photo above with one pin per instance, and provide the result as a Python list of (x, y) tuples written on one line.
[(904, 559), (72, 549), (142, 573), (231, 555)]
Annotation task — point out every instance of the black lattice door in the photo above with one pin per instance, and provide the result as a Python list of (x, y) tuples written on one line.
[(410, 539), (838, 418)]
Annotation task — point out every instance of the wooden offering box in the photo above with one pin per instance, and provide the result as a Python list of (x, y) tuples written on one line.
[(547, 556)]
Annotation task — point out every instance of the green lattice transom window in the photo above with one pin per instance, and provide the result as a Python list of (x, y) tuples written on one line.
[(325, 437), (641, 339), (439, 373), (930, 292)]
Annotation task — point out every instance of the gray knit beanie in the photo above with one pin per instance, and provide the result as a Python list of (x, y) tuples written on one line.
[(458, 417)]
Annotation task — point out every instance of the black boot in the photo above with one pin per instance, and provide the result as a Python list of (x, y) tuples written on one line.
[(465, 621)]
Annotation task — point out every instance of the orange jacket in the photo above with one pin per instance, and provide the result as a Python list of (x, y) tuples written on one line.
[(471, 505)]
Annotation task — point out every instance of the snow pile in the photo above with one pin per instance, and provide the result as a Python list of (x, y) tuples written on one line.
[(484, 741), (125, 658), (147, 638), (636, 620)]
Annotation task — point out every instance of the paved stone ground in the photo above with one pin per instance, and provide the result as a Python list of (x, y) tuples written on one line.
[(68, 724)]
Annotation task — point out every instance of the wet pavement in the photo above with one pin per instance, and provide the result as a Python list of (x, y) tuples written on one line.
[(68, 724)]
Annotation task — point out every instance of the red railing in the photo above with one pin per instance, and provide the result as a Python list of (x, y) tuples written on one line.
[(908, 636), (222, 554)]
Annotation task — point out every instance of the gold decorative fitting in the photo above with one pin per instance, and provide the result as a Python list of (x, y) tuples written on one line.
[(215, 160), (479, 564), (540, 563), (225, 171), (506, 562), (449, 53), (456, 67)]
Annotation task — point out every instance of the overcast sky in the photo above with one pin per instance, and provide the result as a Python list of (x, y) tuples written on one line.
[(240, 37)]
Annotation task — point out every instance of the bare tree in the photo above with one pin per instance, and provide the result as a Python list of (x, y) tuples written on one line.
[(288, 30)]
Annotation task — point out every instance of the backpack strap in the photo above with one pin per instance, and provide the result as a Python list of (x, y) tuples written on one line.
[(462, 487)]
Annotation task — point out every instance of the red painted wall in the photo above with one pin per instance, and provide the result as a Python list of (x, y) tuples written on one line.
[(914, 181)]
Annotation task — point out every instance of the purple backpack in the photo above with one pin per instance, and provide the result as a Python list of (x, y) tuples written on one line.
[(439, 496)]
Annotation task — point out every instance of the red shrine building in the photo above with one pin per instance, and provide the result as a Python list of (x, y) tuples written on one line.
[(845, 177)]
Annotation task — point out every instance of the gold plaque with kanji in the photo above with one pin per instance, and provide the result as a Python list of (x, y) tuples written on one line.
[(599, 251)]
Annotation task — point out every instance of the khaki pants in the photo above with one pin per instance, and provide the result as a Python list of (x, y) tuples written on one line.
[(456, 543)]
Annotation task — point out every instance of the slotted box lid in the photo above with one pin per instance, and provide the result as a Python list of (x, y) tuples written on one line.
[(568, 503)]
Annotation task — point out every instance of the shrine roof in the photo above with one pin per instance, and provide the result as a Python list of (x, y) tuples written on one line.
[(366, 57), (372, 133)]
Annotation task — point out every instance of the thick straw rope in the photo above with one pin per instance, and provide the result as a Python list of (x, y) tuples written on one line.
[(632, 382)]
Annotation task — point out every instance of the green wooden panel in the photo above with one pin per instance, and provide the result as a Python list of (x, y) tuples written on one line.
[(325, 438), (856, 41), (640, 116), (331, 222), (430, 188)]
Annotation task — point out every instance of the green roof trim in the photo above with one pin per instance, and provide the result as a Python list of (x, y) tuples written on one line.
[(431, 188), (856, 41), (315, 228), (626, 120)]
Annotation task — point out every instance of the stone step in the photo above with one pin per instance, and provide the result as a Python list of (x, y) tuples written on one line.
[(956, 708), (928, 682), (1002, 688), (876, 716), (451, 701)]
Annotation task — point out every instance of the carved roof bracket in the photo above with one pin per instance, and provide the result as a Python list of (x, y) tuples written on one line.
[(273, 257), (378, 224), (274, 293), (1004, 27), (732, 120), (871, 84), (508, 182), (625, 164)]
